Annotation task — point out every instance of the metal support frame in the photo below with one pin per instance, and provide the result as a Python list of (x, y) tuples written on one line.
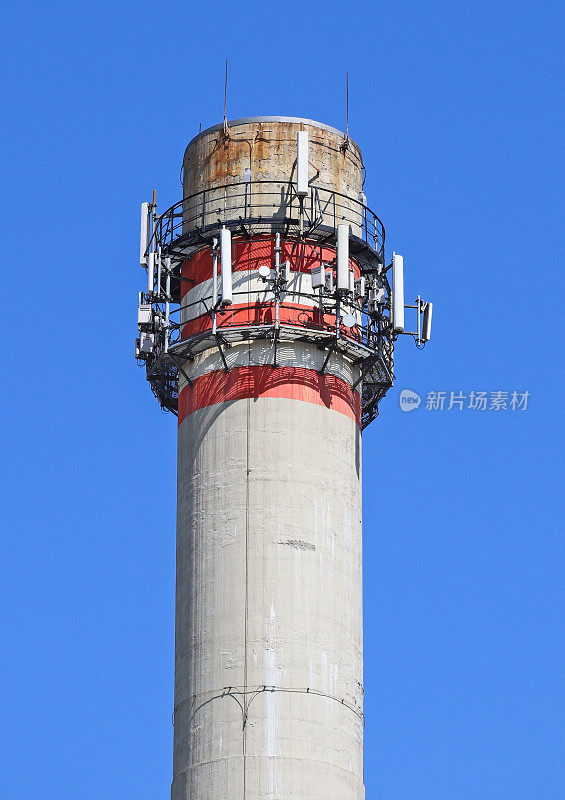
[(368, 363), (176, 235), (419, 307), (331, 349), (219, 342), (179, 366), (366, 349), (275, 365)]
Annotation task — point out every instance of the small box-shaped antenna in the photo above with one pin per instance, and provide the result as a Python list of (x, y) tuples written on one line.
[(144, 237), (427, 322), (225, 258), (146, 342), (361, 287), (397, 293), (377, 297), (144, 314), (343, 257), (302, 163), (318, 276)]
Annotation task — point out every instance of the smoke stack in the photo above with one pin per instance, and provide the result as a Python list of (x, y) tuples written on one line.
[(274, 347)]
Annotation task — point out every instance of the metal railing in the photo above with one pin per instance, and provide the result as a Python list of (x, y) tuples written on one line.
[(317, 313), (369, 343), (258, 207), (268, 208)]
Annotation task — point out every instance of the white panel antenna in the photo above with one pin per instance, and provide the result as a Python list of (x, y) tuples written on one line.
[(343, 257), (150, 271), (144, 237), (214, 272), (427, 323), (397, 293), (302, 163), (225, 257)]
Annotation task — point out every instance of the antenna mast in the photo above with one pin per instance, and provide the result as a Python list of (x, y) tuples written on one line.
[(226, 100), (347, 106), (345, 143)]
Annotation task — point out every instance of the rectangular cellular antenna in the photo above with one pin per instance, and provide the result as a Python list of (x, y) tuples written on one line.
[(427, 324), (302, 163), (144, 237), (343, 257), (158, 271), (214, 272), (397, 293), (225, 258), (167, 304), (150, 271)]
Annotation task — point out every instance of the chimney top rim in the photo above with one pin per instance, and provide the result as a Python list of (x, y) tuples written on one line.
[(246, 120)]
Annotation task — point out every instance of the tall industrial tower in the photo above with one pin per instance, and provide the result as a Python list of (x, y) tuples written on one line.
[(268, 327)]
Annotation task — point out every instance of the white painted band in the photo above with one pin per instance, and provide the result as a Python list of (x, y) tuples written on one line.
[(262, 352)]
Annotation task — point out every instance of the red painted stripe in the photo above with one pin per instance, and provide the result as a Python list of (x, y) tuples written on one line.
[(264, 314), (295, 383), (249, 255)]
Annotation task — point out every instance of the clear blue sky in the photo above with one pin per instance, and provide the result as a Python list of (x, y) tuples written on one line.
[(457, 109)]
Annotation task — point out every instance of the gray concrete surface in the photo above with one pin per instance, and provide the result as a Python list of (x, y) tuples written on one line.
[(269, 604)]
